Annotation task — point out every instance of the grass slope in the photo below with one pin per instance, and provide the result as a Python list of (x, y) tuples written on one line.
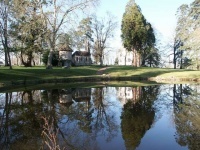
[(148, 72), (40, 73), (34, 73)]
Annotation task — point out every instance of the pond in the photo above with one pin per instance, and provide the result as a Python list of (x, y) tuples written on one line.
[(142, 118)]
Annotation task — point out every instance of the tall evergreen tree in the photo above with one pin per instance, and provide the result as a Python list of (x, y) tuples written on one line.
[(137, 33)]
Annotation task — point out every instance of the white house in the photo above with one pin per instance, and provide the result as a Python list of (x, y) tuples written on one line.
[(65, 55), (124, 57)]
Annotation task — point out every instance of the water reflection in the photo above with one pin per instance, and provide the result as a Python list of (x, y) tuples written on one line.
[(187, 111), (20, 121), (101, 118), (138, 115)]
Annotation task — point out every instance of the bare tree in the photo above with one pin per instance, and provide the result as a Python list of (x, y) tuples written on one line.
[(103, 31), (4, 12), (56, 16)]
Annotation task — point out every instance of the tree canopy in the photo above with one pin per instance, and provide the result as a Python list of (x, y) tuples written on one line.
[(137, 33), (187, 34)]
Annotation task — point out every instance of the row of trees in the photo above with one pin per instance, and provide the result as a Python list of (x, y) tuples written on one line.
[(29, 27), (94, 33), (138, 36), (186, 41)]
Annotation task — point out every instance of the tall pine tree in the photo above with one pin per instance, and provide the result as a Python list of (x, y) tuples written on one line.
[(137, 34)]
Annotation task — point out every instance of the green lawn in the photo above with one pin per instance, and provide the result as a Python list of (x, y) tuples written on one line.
[(40, 73), (33, 73), (148, 72)]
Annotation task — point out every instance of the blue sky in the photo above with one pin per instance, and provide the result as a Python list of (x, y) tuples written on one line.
[(160, 13)]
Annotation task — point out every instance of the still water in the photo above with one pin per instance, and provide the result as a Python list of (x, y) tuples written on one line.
[(159, 117)]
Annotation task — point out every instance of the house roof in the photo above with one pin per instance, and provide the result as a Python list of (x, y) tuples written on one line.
[(81, 53), (65, 48)]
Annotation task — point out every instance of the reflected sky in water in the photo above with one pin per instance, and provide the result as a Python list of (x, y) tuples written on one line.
[(143, 118)]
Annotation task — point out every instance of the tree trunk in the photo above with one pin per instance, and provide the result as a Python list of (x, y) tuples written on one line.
[(6, 57), (125, 57), (134, 58), (174, 57), (51, 45), (181, 65), (174, 94), (143, 62), (150, 63), (181, 93), (49, 62), (5, 42), (29, 60), (139, 59), (101, 60), (10, 63)]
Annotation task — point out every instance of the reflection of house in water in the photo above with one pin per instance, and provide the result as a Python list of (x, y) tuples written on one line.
[(129, 93), (82, 95), (65, 97)]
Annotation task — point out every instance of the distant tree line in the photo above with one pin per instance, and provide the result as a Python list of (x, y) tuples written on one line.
[(39, 27), (33, 27)]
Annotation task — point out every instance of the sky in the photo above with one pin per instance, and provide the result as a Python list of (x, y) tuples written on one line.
[(160, 13)]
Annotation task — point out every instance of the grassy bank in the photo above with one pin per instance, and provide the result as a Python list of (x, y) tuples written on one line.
[(154, 73), (89, 73), (40, 73)]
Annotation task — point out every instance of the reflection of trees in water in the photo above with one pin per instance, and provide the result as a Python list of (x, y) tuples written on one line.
[(187, 112), (79, 118), (87, 117), (103, 120), (5, 116), (20, 121), (138, 115), (80, 115)]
